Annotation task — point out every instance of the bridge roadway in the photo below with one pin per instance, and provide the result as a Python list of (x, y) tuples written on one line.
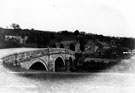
[(47, 59)]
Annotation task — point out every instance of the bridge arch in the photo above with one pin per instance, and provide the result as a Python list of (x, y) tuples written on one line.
[(38, 64), (59, 64)]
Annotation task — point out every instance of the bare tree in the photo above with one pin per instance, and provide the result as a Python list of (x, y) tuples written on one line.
[(15, 26)]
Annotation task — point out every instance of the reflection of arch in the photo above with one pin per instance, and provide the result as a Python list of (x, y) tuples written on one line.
[(38, 64), (59, 64)]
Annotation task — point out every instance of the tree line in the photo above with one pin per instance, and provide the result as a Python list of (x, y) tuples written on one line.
[(43, 38)]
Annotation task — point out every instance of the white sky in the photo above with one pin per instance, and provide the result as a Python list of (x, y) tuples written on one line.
[(107, 17)]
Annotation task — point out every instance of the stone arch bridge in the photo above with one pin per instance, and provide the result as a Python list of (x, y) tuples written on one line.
[(47, 59)]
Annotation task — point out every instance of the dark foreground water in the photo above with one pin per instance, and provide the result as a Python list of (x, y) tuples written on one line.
[(118, 79)]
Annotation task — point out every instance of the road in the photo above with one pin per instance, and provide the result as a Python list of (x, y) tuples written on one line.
[(118, 79)]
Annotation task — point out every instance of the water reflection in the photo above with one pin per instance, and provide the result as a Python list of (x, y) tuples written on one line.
[(24, 81)]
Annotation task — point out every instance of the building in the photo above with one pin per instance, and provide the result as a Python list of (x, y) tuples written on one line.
[(67, 44), (90, 47)]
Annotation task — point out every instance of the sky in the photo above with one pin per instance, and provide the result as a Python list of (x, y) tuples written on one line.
[(106, 17)]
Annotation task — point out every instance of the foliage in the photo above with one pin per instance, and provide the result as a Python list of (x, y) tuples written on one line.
[(54, 46), (12, 43), (15, 26), (82, 41), (61, 45), (43, 38), (76, 32), (72, 47)]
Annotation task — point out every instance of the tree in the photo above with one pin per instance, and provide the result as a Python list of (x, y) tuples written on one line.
[(82, 41), (76, 32), (52, 36), (61, 45), (82, 47), (72, 47), (15, 26), (65, 32), (54, 45)]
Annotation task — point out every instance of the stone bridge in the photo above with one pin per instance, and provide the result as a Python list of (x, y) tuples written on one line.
[(47, 59)]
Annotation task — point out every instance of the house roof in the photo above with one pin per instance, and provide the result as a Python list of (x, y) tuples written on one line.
[(102, 44)]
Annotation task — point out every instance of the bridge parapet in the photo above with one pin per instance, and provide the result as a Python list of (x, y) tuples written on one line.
[(60, 50)]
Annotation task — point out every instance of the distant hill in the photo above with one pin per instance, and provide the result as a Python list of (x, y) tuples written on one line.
[(43, 38)]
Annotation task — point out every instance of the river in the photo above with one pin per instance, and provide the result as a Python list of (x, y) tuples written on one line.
[(114, 80)]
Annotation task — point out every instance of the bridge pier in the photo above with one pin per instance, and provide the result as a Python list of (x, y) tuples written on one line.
[(51, 66), (67, 65)]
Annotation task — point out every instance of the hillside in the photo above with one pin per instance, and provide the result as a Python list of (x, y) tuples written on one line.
[(12, 38)]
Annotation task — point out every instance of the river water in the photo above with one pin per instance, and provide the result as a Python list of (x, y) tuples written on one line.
[(114, 80)]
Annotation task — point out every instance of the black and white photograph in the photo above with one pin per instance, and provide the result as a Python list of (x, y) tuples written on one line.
[(67, 46)]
